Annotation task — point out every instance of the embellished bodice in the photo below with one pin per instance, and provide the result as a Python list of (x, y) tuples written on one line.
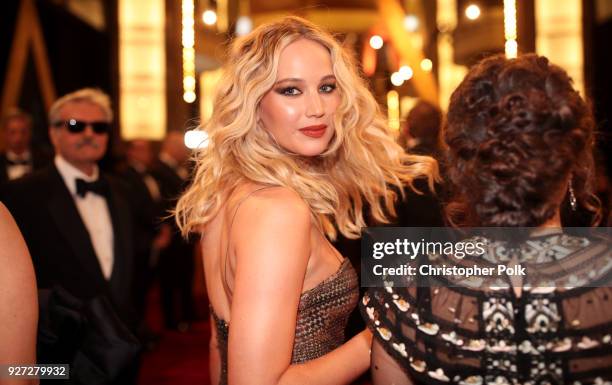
[(495, 334), (322, 315)]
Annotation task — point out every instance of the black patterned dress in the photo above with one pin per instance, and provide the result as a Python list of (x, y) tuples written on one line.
[(504, 333)]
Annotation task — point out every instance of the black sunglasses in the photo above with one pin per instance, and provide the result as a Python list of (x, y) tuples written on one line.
[(76, 126)]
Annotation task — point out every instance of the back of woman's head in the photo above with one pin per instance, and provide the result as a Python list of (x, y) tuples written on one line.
[(517, 133), (424, 121)]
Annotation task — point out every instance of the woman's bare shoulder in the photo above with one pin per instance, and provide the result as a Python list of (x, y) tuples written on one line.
[(269, 214), (9, 232), (257, 203), (14, 255), (5, 217)]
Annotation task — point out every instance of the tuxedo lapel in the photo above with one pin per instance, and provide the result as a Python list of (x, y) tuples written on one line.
[(69, 223), (39, 160), (3, 171), (122, 247)]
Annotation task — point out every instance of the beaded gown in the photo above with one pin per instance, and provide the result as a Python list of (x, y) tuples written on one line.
[(496, 334), (322, 315)]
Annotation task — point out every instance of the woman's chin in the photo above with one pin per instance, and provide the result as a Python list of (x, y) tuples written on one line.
[(312, 152), (310, 149)]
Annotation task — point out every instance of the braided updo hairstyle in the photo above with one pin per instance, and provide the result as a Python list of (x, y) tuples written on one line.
[(517, 132)]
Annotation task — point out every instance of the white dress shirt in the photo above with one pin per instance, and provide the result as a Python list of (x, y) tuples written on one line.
[(94, 212), (18, 170)]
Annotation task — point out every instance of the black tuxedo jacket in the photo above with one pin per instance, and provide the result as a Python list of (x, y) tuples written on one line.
[(60, 245), (147, 212), (171, 187), (170, 184)]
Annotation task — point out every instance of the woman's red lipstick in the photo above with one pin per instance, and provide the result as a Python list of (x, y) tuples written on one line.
[(314, 131)]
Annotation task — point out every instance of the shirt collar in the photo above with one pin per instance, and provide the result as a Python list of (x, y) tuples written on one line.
[(70, 173), (167, 159), (10, 155), (138, 167)]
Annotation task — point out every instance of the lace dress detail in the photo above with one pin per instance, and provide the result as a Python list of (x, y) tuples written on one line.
[(454, 334), (322, 315)]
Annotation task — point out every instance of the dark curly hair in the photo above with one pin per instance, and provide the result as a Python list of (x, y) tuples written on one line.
[(517, 131)]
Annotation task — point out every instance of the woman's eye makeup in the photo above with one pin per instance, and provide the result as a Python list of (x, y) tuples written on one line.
[(327, 88), (294, 91), (288, 91)]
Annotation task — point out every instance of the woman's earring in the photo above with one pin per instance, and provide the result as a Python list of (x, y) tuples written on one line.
[(572, 196)]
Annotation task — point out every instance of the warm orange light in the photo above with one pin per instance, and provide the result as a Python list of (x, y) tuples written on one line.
[(559, 36), (188, 41), (511, 46), (449, 73), (209, 17), (397, 79), (472, 12), (142, 69), (406, 72), (426, 65), (376, 42), (393, 110)]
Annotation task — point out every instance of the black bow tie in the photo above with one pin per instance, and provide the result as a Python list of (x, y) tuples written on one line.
[(99, 187), (18, 162)]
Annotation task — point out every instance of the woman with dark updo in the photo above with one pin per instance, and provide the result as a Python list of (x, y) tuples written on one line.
[(520, 143)]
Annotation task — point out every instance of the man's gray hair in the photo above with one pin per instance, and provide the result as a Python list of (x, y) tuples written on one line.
[(90, 95)]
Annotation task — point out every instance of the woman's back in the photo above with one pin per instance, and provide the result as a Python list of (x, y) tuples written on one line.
[(328, 295), (503, 332)]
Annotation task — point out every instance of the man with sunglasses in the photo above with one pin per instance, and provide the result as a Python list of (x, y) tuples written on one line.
[(77, 224)]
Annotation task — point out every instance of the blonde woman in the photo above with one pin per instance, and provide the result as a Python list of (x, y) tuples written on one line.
[(297, 147)]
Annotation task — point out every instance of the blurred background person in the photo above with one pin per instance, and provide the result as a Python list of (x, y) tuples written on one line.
[(18, 300), (150, 235), (422, 130), (18, 157), (421, 135), (176, 261)]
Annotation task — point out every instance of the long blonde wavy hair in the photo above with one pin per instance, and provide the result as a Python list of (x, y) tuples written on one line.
[(360, 164)]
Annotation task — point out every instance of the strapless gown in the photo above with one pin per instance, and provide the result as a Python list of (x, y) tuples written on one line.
[(322, 315)]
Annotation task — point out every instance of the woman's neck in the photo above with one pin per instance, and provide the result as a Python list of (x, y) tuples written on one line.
[(555, 221), (552, 225)]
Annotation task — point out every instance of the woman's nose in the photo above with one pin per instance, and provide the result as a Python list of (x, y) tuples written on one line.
[(314, 106)]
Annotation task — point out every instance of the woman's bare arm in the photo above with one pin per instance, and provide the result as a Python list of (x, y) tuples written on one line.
[(18, 298), (272, 248)]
